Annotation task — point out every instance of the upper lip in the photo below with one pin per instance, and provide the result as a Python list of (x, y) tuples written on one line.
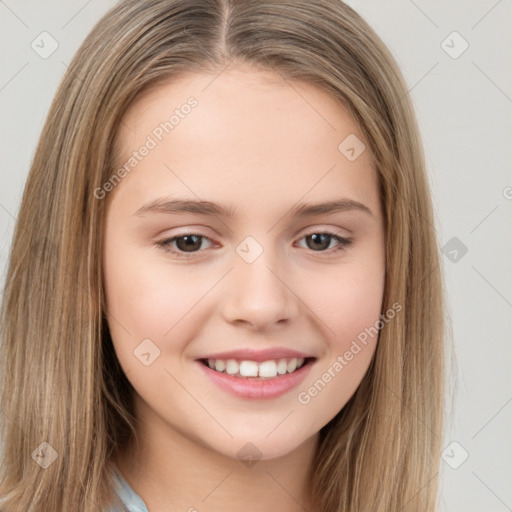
[(259, 356)]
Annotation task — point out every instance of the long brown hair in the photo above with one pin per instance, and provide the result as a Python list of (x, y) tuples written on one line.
[(61, 382)]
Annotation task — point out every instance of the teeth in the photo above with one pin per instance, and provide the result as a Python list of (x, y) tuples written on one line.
[(220, 366), (231, 367), (282, 365), (248, 369), (292, 365), (266, 369)]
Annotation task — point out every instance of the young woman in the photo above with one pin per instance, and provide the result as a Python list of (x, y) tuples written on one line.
[(224, 290)]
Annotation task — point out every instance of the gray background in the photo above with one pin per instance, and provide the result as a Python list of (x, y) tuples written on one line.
[(463, 102)]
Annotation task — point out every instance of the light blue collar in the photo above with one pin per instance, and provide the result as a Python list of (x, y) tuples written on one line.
[(131, 500)]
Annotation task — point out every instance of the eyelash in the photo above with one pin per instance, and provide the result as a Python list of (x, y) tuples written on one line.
[(165, 244)]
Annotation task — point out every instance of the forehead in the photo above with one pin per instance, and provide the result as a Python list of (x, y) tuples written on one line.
[(242, 101), (250, 132)]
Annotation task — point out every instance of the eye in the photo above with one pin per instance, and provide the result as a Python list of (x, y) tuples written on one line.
[(321, 240), (186, 244), (190, 243)]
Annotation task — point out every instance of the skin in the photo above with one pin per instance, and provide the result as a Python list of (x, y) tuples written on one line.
[(260, 144)]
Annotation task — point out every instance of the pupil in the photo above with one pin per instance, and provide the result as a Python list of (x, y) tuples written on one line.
[(191, 242), (317, 236)]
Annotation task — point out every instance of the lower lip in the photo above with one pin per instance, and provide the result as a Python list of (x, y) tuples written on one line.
[(257, 389)]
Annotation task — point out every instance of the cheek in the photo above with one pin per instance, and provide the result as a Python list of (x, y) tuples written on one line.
[(350, 306), (142, 305), (347, 301), (134, 297), (148, 299), (347, 305)]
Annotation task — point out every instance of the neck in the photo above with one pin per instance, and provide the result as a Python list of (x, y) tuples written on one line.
[(171, 471)]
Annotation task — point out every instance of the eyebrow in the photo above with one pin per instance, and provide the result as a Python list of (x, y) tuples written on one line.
[(177, 206)]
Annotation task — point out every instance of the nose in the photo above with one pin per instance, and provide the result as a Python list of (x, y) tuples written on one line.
[(258, 295)]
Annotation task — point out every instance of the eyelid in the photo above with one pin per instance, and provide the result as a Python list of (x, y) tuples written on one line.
[(343, 242), (319, 228), (165, 244)]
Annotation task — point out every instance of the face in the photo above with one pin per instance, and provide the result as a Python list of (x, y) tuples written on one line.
[(252, 281)]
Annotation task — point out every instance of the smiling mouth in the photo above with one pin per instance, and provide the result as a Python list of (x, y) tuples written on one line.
[(252, 370)]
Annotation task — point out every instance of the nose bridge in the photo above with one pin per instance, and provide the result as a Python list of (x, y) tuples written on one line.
[(258, 293)]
